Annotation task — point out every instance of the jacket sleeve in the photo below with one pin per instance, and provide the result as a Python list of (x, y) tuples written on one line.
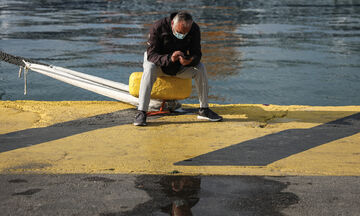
[(154, 49), (195, 48)]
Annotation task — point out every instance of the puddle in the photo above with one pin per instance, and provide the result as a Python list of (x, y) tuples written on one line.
[(211, 195)]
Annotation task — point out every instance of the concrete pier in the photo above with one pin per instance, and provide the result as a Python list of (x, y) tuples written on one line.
[(40, 137)]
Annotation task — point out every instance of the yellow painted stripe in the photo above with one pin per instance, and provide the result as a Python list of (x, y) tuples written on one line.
[(124, 148)]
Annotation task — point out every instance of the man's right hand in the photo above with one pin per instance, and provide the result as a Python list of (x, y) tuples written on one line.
[(175, 56)]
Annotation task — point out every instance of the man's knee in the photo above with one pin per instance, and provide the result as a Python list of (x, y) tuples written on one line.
[(149, 66), (150, 69), (200, 70), (149, 72), (200, 66)]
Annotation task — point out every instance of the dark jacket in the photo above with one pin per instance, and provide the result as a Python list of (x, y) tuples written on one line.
[(162, 43)]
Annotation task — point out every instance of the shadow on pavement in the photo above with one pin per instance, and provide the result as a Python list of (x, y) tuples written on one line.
[(34, 136), (256, 152), (273, 147)]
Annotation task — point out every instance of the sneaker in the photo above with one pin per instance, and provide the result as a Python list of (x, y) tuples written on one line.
[(208, 114), (140, 118)]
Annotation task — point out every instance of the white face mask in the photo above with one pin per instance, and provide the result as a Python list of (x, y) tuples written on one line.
[(179, 35)]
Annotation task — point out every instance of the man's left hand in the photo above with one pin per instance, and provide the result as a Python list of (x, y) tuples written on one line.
[(184, 61)]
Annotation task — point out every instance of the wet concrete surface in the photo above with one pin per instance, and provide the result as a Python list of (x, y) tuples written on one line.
[(109, 195)]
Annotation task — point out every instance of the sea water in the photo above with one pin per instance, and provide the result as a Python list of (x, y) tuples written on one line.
[(264, 52)]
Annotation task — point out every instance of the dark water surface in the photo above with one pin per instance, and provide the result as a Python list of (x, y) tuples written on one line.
[(278, 52)]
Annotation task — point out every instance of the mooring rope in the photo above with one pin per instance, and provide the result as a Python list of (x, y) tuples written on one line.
[(26, 71), (115, 90), (17, 60)]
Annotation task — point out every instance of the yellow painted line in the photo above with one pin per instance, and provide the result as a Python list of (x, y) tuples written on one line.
[(167, 140)]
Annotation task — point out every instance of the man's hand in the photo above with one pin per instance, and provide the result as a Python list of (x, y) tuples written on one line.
[(185, 61), (176, 55)]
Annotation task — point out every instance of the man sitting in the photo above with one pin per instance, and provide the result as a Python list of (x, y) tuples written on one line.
[(174, 50)]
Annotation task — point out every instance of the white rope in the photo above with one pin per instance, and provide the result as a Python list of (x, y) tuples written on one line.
[(20, 69), (110, 83), (95, 84), (26, 70)]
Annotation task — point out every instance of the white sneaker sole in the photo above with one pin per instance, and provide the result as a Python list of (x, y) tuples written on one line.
[(209, 119)]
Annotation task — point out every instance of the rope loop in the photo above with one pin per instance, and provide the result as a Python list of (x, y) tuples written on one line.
[(26, 71), (25, 80), (20, 71)]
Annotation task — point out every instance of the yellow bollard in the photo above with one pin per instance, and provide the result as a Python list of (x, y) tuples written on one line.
[(165, 87)]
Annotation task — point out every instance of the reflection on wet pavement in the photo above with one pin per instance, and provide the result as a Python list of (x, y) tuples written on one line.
[(112, 195), (215, 195)]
